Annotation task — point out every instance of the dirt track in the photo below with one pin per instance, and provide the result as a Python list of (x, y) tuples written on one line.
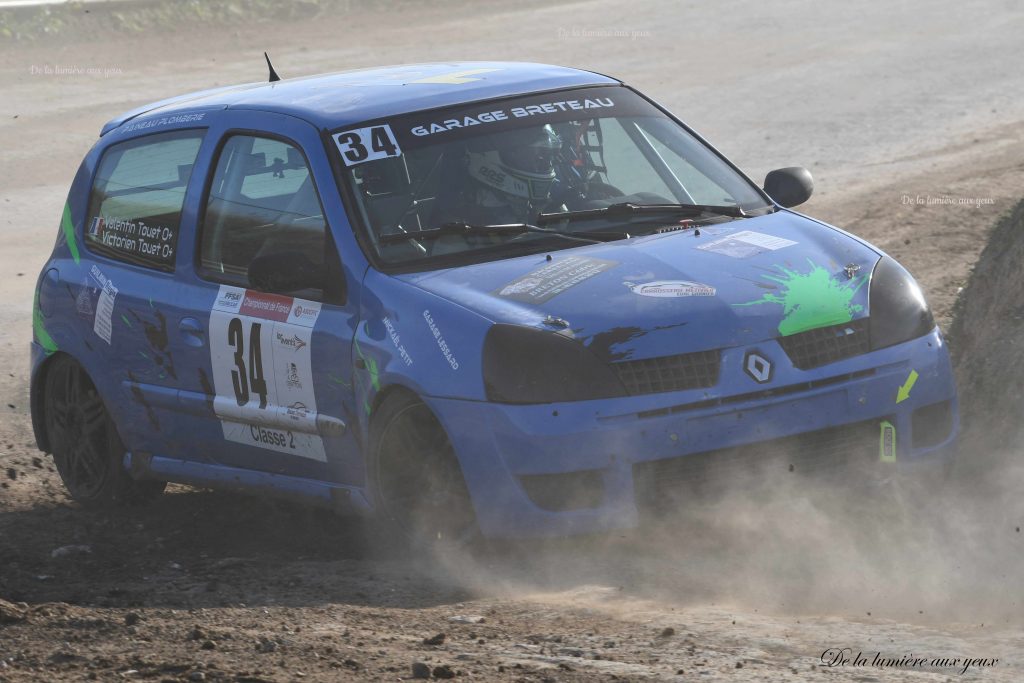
[(921, 102)]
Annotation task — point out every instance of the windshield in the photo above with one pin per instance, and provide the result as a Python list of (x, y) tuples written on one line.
[(507, 162)]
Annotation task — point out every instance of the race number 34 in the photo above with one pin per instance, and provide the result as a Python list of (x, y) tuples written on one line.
[(260, 354), (255, 381), (367, 144)]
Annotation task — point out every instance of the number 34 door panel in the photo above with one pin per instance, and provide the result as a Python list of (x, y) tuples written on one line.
[(260, 349)]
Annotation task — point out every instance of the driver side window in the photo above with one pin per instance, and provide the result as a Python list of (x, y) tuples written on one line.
[(262, 205)]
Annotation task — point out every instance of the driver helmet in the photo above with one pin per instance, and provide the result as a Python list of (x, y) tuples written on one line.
[(519, 163)]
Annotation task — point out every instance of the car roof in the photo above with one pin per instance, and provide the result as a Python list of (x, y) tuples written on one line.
[(348, 97)]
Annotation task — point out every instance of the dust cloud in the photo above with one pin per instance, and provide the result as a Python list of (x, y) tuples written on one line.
[(920, 548)]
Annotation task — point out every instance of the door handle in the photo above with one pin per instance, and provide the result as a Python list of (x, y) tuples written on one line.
[(192, 332)]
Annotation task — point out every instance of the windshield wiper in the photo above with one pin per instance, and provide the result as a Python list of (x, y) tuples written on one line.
[(462, 228), (627, 209)]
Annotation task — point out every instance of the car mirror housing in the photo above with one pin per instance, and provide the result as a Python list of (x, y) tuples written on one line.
[(789, 186)]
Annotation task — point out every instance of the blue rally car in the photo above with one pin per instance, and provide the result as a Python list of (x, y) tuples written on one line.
[(501, 299)]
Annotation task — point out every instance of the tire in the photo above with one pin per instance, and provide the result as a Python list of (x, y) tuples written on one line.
[(415, 478), (86, 448)]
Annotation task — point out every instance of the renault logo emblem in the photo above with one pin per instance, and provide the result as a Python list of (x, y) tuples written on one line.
[(758, 367)]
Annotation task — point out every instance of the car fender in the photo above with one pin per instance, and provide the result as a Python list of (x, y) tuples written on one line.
[(417, 340)]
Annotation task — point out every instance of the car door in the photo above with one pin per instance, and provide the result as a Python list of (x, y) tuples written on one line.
[(129, 296), (271, 387)]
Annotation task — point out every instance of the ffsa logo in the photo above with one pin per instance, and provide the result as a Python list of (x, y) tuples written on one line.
[(229, 300)]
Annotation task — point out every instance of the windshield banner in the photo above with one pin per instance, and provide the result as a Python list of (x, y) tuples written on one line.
[(446, 125)]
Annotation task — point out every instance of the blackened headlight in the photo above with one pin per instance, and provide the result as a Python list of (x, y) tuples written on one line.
[(898, 311), (527, 365)]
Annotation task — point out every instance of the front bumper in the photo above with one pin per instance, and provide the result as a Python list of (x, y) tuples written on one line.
[(516, 459)]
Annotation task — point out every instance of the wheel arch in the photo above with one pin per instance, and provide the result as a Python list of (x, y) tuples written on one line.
[(380, 417), (37, 398), (386, 393)]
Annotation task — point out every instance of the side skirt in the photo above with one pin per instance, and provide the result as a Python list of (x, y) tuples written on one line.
[(339, 497)]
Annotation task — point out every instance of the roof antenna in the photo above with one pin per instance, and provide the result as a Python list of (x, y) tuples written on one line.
[(273, 74)]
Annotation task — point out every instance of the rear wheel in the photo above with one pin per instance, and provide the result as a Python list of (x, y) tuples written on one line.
[(416, 479), (83, 439)]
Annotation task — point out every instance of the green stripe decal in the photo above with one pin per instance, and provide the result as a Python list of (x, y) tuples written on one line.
[(42, 336), (69, 232)]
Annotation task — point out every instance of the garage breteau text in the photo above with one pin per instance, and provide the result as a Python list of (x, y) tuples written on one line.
[(513, 112)]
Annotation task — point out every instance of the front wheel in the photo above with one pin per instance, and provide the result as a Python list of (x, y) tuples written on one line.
[(86, 448), (415, 477)]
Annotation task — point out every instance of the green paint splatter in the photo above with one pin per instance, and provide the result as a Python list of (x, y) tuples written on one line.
[(811, 300), (126, 320), (373, 369), (337, 380), (42, 336), (359, 388), (68, 226)]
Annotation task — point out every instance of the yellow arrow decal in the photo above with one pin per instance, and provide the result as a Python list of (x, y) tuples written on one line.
[(454, 78), (904, 391)]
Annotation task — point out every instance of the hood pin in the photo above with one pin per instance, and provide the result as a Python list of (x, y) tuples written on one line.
[(851, 270)]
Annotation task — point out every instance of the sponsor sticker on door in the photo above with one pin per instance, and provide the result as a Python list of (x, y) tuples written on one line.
[(262, 371)]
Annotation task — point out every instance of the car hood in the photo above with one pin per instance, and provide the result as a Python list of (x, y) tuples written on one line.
[(734, 284)]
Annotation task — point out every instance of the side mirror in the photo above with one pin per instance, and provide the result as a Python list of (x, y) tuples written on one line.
[(790, 186), (285, 271)]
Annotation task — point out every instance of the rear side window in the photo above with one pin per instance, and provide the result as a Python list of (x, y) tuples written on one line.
[(262, 204), (135, 204)]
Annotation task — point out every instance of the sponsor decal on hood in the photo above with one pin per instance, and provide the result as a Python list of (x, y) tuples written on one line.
[(746, 243), (552, 279), (670, 288)]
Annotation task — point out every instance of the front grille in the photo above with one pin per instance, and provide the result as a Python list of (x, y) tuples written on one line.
[(774, 392), (831, 452), (670, 373), (814, 348)]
